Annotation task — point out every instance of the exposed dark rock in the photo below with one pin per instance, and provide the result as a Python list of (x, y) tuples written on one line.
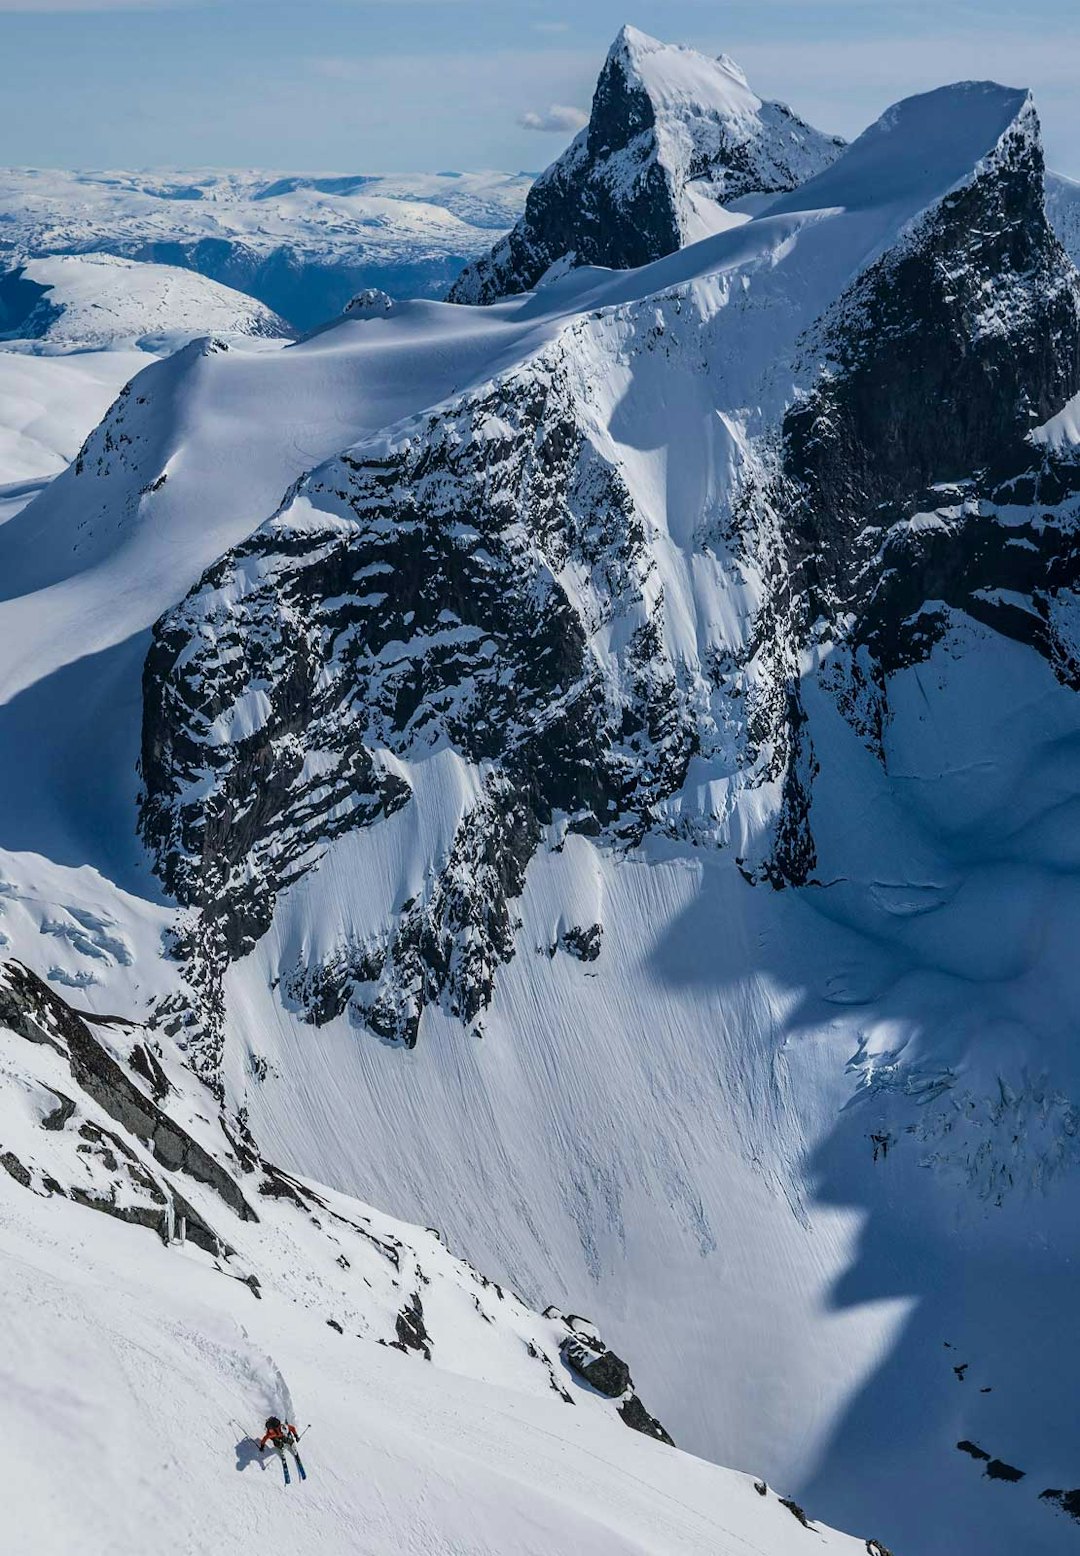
[(998, 1470), (1068, 1501), (973, 1449), (370, 303), (17, 1009), (921, 328), (589, 1359), (31, 1008), (58, 1116), (796, 1511), (145, 1063), (274, 1186), (12, 1165), (584, 943), (603, 1370), (134, 1215), (636, 1417), (409, 1325)]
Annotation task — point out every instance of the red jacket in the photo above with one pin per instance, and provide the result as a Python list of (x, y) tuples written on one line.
[(278, 1437)]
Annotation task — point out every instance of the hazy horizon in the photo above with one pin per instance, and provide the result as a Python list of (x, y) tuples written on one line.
[(405, 86)]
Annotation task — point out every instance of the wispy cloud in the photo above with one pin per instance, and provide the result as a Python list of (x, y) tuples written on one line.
[(556, 120), (552, 27)]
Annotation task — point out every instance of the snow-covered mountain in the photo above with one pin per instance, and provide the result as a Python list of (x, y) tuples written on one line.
[(300, 243), (74, 329), (673, 140), (614, 754), (98, 302)]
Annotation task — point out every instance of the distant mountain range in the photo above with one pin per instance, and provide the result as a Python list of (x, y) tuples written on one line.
[(678, 146), (301, 244)]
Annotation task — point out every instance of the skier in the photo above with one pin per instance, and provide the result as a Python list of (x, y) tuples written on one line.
[(281, 1437)]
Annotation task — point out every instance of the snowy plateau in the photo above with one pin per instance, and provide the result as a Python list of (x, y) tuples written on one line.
[(540, 845)]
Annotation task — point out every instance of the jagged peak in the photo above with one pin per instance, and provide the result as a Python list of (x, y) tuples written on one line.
[(629, 40), (673, 75), (634, 46), (674, 138)]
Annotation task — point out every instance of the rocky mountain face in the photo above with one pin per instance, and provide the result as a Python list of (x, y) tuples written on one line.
[(462, 632), (487, 579), (673, 137), (91, 1115), (976, 312)]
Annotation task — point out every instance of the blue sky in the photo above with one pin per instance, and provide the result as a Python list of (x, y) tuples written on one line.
[(403, 85)]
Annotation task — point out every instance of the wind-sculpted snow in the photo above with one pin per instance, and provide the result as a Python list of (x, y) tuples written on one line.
[(673, 139)]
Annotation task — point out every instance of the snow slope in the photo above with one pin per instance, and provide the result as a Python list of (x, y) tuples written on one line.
[(141, 1362), (300, 243), (73, 331), (807, 1155), (48, 404), (98, 301)]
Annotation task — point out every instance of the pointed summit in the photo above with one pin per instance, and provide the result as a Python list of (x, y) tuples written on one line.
[(673, 138), (630, 40)]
